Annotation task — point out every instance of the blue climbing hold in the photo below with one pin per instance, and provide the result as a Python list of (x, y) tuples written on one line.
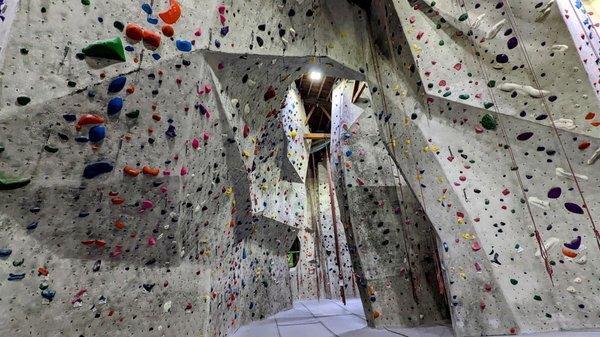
[(129, 48), (156, 56), (48, 294), (16, 277), (32, 225), (115, 105), (5, 252), (91, 94), (95, 169), (97, 133), (81, 139), (146, 8), (152, 20), (184, 45), (117, 84)]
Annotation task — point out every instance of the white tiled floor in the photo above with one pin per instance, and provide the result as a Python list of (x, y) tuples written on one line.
[(328, 318)]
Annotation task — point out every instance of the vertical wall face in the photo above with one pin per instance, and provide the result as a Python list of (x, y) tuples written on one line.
[(465, 93), (393, 243)]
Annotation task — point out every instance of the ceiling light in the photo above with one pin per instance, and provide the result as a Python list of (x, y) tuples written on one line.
[(315, 75)]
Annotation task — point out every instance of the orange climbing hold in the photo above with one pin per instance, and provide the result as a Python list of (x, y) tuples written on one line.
[(88, 119), (168, 30), (43, 271), (131, 89), (119, 224), (117, 200), (130, 171), (568, 252), (151, 171), (134, 31), (376, 314), (151, 38), (171, 15)]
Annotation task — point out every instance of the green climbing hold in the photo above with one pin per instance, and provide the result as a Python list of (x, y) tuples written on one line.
[(513, 281), (71, 84), (7, 183), (85, 2), (119, 25), (488, 122), (442, 43), (537, 297), (133, 114), (463, 17), (24, 51), (23, 100), (464, 96), (491, 84), (111, 49), (1, 148), (432, 4), (488, 105), (51, 148), (447, 93)]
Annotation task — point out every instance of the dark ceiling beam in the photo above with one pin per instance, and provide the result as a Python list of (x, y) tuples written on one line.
[(312, 109), (359, 92)]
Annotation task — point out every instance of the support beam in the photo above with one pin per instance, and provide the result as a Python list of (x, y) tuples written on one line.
[(321, 88), (325, 112), (312, 109), (311, 135), (359, 92)]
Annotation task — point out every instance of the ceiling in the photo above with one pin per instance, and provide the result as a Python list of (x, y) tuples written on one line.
[(316, 96)]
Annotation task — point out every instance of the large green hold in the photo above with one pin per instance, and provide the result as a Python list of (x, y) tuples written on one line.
[(488, 122), (7, 183), (111, 49)]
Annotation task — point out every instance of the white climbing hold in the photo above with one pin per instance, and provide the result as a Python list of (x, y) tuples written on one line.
[(559, 48), (582, 259), (562, 173), (577, 280), (478, 21), (594, 158), (571, 289), (551, 242), (167, 306), (526, 89), (495, 29), (543, 204), (564, 123), (545, 11)]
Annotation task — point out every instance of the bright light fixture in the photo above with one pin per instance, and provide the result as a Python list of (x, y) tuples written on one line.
[(315, 75)]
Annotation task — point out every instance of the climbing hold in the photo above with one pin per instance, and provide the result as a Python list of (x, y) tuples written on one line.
[(573, 208), (88, 119), (95, 169), (171, 15), (114, 106), (50, 148), (32, 225), (48, 294), (151, 171), (133, 114), (5, 252), (524, 136), (15, 277), (168, 30), (23, 100), (7, 183), (488, 122), (184, 45), (117, 84), (130, 171), (151, 38), (111, 49), (134, 32), (97, 133)]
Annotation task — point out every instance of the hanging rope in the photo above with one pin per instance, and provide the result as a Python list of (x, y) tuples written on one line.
[(554, 128), (504, 134)]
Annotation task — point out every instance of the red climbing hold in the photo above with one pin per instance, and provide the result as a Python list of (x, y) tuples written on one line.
[(171, 15), (134, 32), (168, 30), (151, 38)]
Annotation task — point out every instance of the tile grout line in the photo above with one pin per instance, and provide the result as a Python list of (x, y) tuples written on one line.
[(363, 318)]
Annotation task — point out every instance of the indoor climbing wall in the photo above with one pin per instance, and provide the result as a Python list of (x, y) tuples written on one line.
[(393, 244), (145, 174), (497, 138)]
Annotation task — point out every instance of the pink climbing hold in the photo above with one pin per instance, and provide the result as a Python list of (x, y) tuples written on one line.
[(164, 189), (147, 204), (222, 19), (184, 171), (221, 8), (205, 136), (151, 241), (195, 143), (475, 246), (117, 252)]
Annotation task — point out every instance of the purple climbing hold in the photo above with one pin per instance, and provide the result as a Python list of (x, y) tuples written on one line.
[(554, 193), (573, 208), (574, 244), (512, 43), (525, 136)]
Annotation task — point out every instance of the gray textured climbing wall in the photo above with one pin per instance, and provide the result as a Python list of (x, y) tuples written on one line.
[(152, 182), (392, 241)]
